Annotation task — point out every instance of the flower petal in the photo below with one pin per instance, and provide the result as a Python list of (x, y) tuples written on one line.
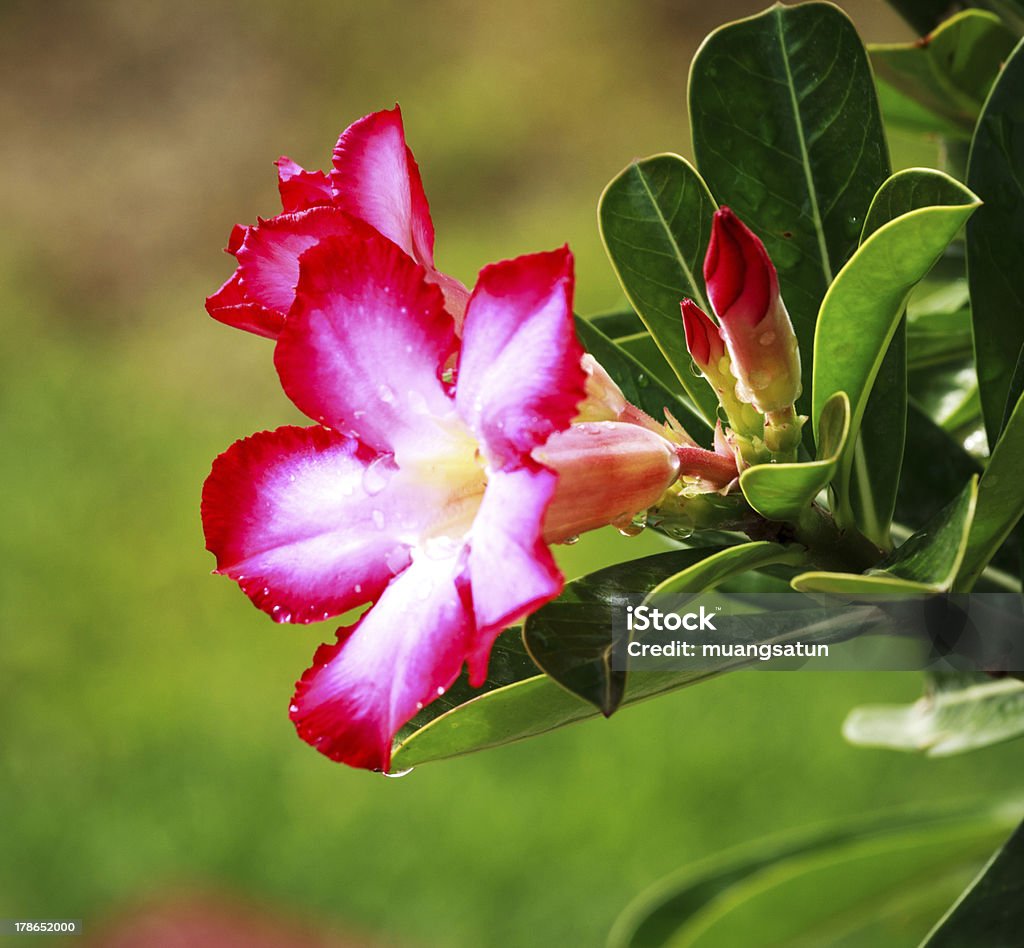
[(363, 347), (307, 521), (519, 374), (376, 179), (301, 189), (269, 256), (231, 305), (401, 655), (511, 570)]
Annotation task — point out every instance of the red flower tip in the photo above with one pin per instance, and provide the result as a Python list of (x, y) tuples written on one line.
[(740, 277), (703, 338)]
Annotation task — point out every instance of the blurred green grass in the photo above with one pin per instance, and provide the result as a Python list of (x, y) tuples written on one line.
[(146, 743)]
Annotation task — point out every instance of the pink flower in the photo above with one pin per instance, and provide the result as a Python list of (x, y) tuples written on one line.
[(433, 499), (744, 291), (374, 186)]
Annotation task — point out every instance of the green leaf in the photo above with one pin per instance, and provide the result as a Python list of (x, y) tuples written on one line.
[(642, 347), (786, 131), (860, 315), (655, 220), (927, 562), (617, 324), (1000, 500), (935, 468), (939, 325), (877, 453), (724, 565), (950, 72), (784, 491), (991, 911), (673, 907), (638, 384), (948, 393), (995, 240), (571, 637), (959, 712)]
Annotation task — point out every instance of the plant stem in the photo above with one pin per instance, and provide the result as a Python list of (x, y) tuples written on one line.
[(782, 433), (832, 548)]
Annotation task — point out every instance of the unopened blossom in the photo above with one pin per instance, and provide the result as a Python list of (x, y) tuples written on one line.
[(744, 289), (374, 186), (434, 501), (706, 345)]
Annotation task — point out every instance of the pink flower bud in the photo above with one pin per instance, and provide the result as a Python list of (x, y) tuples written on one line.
[(607, 472), (744, 290)]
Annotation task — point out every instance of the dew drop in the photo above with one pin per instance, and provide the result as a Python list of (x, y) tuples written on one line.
[(440, 691), (357, 589), (385, 394), (634, 526), (569, 541), (293, 708), (375, 478), (395, 774), (766, 338)]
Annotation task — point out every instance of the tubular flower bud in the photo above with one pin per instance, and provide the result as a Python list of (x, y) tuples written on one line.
[(744, 290), (605, 402), (607, 472), (707, 349)]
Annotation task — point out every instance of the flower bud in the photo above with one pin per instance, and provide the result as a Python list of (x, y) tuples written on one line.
[(605, 401), (607, 472), (744, 290), (707, 349)]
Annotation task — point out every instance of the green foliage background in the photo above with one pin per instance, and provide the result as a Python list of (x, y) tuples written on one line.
[(146, 745)]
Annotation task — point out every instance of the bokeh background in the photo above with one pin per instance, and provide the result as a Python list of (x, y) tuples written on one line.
[(145, 751)]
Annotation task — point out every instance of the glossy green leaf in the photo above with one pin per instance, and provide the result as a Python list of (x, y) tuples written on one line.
[(880, 891), (617, 324), (860, 315), (639, 384), (991, 911), (571, 638), (959, 712), (784, 491), (642, 347), (995, 240), (671, 905), (786, 131), (724, 565), (1000, 500), (655, 220), (927, 562), (877, 452), (948, 393), (950, 73), (935, 469)]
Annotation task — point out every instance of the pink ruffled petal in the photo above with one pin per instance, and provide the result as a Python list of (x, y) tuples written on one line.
[(376, 179), (307, 521), (269, 256), (363, 347), (401, 655), (511, 570), (519, 374), (301, 189), (231, 305)]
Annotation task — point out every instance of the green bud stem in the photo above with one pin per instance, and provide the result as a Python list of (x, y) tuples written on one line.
[(782, 433)]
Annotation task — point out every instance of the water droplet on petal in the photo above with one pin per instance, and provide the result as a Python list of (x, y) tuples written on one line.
[(569, 541), (357, 589), (440, 691), (398, 773), (375, 477), (385, 394), (766, 338), (293, 708)]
